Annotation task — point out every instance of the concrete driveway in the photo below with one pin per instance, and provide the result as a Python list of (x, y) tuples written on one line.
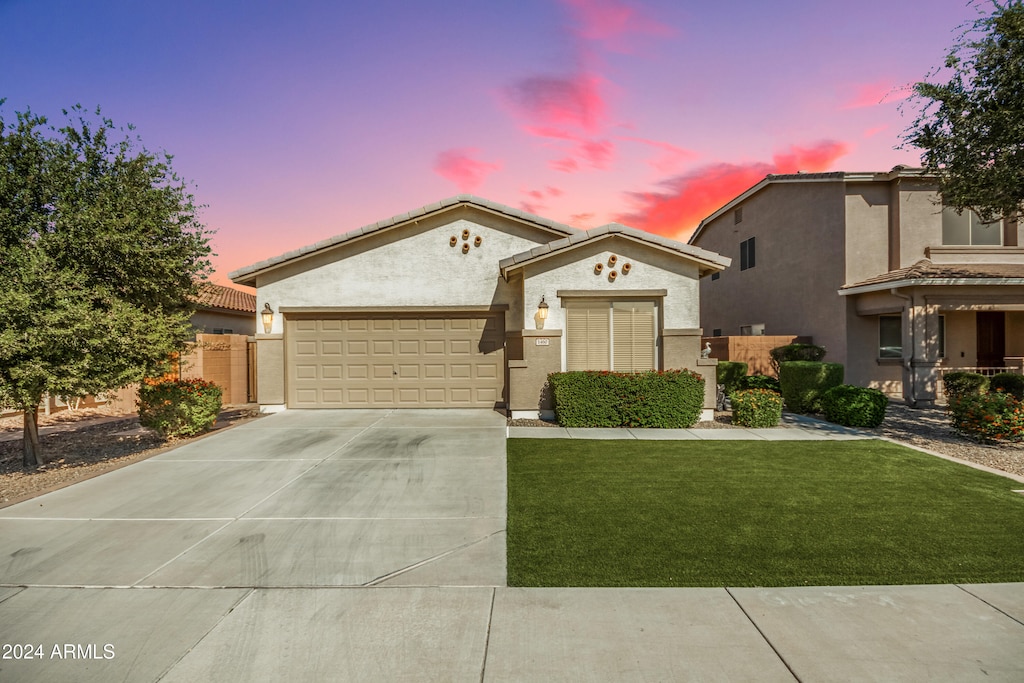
[(370, 546)]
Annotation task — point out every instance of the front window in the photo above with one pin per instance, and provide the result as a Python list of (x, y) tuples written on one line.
[(890, 336), (611, 335), (967, 229)]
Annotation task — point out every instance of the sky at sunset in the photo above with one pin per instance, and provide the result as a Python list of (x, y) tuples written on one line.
[(296, 121)]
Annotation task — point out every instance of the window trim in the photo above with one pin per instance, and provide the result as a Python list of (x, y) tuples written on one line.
[(657, 304)]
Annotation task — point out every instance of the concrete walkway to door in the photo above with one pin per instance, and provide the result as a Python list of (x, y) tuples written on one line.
[(370, 546)]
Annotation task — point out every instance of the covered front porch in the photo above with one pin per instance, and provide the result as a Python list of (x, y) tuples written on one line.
[(930, 326)]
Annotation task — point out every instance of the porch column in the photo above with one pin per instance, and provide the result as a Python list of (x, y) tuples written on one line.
[(528, 391), (920, 352)]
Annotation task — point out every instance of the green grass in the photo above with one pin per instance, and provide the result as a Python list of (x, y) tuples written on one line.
[(743, 513)]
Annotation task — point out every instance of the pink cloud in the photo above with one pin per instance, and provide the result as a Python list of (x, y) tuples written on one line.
[(610, 22), (598, 153), (552, 103), (872, 94), (554, 191), (459, 166), (566, 165), (671, 156), (871, 132), (581, 220), (689, 198)]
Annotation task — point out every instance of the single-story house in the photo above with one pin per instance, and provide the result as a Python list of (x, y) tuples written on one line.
[(469, 303), (224, 310)]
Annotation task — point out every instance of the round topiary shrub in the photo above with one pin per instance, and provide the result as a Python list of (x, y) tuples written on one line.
[(963, 384), (756, 408), (852, 406), (761, 382), (804, 382), (1008, 383), (179, 407)]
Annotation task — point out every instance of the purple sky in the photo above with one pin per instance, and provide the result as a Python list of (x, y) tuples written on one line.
[(302, 120)]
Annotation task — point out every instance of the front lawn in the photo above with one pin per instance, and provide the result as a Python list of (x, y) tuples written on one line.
[(745, 513)]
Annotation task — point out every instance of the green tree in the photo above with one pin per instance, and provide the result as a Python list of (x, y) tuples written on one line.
[(100, 253), (971, 128)]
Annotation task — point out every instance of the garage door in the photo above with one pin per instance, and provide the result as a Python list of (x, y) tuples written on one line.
[(402, 362)]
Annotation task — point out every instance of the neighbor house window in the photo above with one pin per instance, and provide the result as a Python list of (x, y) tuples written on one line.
[(967, 229), (890, 336), (747, 254), (610, 335), (752, 330), (715, 276), (717, 332)]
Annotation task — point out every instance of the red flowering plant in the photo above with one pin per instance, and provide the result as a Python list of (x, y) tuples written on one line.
[(995, 417), (181, 407)]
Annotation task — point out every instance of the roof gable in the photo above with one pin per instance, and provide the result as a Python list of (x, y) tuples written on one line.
[(707, 261), (248, 274), (218, 296)]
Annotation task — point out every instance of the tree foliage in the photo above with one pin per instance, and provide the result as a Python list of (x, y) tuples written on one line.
[(100, 252), (971, 128)]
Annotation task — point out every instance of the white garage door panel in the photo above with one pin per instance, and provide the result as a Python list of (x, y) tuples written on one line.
[(375, 362)]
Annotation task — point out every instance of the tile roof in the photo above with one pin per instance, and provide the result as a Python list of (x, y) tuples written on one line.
[(717, 261), (242, 274), (924, 271), (219, 296)]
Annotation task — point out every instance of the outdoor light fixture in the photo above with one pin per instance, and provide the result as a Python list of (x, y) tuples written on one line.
[(542, 313), (268, 318)]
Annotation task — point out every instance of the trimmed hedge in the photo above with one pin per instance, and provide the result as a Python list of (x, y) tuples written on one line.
[(791, 352), (989, 418), (964, 383), (730, 373), (804, 382), (761, 382), (756, 408), (179, 407), (852, 406), (666, 399), (1008, 383)]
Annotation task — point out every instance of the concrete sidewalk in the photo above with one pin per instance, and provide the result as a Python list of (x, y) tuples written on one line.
[(792, 428)]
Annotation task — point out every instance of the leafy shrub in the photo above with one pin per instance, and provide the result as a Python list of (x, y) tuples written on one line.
[(761, 382), (756, 408), (791, 352), (963, 383), (730, 373), (804, 382), (854, 406), (991, 417), (1008, 383), (667, 398), (179, 407)]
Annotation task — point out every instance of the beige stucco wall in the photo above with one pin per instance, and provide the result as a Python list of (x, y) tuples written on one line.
[(411, 265), (651, 269), (917, 220), (799, 265)]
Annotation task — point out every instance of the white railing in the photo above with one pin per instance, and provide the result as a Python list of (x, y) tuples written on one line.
[(987, 372)]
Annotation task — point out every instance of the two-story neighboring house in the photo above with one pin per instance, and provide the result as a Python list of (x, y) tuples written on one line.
[(873, 267)]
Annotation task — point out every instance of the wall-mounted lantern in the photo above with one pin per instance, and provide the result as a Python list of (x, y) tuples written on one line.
[(268, 318), (542, 313)]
